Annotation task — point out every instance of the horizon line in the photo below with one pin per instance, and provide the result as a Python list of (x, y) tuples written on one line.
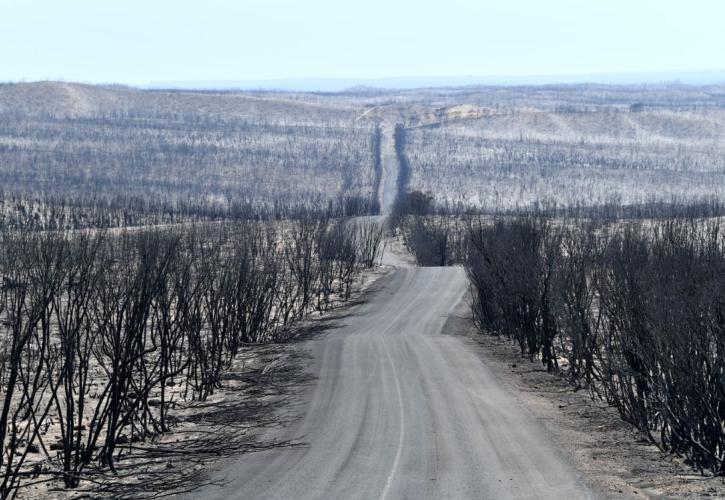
[(340, 84)]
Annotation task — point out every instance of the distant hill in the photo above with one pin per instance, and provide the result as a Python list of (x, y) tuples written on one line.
[(340, 84), (79, 140), (501, 146), (77, 99)]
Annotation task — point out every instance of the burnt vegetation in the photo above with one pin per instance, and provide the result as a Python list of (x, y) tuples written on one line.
[(148, 238), (635, 314), (510, 149), (164, 156), (630, 310), (592, 237), (103, 333)]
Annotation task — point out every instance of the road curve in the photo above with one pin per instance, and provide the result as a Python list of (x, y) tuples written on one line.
[(399, 409)]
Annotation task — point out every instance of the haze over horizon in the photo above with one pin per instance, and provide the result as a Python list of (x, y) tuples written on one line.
[(707, 77), (141, 44)]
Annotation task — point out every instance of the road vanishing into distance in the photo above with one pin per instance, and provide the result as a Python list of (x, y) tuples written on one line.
[(389, 176), (398, 408)]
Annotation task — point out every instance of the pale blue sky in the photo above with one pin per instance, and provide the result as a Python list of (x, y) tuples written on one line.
[(139, 41)]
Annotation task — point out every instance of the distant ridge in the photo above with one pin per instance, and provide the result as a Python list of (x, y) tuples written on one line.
[(705, 77)]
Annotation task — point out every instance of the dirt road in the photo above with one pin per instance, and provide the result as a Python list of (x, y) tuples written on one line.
[(400, 409)]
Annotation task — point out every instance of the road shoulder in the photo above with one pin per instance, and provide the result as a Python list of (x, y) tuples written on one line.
[(611, 456)]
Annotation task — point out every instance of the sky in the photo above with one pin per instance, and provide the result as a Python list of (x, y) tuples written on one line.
[(141, 41)]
